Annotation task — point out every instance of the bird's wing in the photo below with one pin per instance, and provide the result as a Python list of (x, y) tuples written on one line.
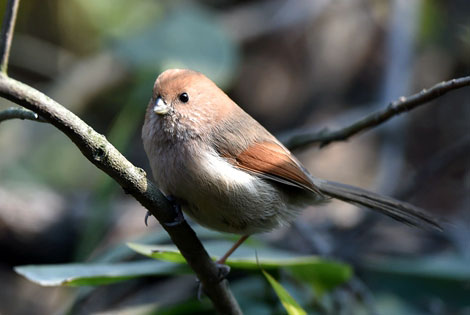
[(272, 161)]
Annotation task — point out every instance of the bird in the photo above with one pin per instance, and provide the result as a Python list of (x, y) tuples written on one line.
[(228, 173)]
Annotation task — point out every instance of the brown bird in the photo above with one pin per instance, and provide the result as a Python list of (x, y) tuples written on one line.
[(230, 174)]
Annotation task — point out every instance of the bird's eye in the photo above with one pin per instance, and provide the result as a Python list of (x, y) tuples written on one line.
[(184, 97)]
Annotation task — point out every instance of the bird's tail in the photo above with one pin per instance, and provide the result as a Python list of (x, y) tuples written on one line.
[(399, 210)]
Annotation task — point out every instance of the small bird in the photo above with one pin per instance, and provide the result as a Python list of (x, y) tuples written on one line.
[(227, 172)]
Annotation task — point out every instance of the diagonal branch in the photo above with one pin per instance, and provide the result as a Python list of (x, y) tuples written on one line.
[(105, 156), (133, 180), (19, 113), (297, 139), (7, 33)]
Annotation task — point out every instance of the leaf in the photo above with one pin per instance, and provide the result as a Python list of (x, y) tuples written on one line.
[(123, 252), (291, 306), (162, 252), (323, 274), (244, 257), (95, 274)]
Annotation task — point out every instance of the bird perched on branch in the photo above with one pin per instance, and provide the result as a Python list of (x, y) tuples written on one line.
[(230, 174)]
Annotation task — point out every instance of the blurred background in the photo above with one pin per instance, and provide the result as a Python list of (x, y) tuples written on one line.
[(294, 66)]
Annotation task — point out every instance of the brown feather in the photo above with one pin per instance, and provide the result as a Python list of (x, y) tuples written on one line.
[(273, 161)]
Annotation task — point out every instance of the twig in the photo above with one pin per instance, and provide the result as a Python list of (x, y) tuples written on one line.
[(19, 113), (8, 27), (297, 139), (133, 180)]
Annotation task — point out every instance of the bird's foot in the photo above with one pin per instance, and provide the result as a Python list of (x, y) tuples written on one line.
[(147, 215), (224, 270), (178, 219)]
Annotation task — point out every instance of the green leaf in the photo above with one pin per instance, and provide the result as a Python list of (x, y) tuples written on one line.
[(244, 257), (321, 273), (96, 274), (291, 306), (123, 252)]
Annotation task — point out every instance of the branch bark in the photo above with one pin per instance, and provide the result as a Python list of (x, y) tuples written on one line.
[(133, 180), (298, 139), (8, 27)]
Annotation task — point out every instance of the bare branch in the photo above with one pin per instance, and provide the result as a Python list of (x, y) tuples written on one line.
[(297, 139), (19, 113), (8, 27), (133, 180)]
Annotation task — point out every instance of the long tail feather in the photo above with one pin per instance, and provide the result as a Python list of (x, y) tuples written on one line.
[(399, 210)]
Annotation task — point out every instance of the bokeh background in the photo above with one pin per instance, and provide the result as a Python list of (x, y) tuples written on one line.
[(293, 65)]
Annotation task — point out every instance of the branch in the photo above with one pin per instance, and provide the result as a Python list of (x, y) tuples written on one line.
[(19, 113), (133, 180), (106, 157), (297, 139), (7, 33)]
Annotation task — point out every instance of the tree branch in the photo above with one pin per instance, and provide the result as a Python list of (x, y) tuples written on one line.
[(106, 157), (297, 139), (19, 113), (133, 180), (8, 27)]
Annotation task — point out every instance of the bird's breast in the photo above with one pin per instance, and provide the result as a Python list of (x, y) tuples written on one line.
[(214, 192), (225, 198)]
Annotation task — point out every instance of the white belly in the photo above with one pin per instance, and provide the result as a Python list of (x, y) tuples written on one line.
[(228, 199)]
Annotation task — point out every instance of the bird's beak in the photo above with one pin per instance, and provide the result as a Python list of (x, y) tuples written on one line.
[(160, 107)]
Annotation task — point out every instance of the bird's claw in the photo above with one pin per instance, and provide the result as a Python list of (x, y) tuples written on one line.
[(179, 218), (179, 214), (147, 215), (224, 270)]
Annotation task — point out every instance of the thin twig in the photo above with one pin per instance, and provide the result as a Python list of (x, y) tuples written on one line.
[(133, 180), (19, 113), (297, 139), (8, 27)]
